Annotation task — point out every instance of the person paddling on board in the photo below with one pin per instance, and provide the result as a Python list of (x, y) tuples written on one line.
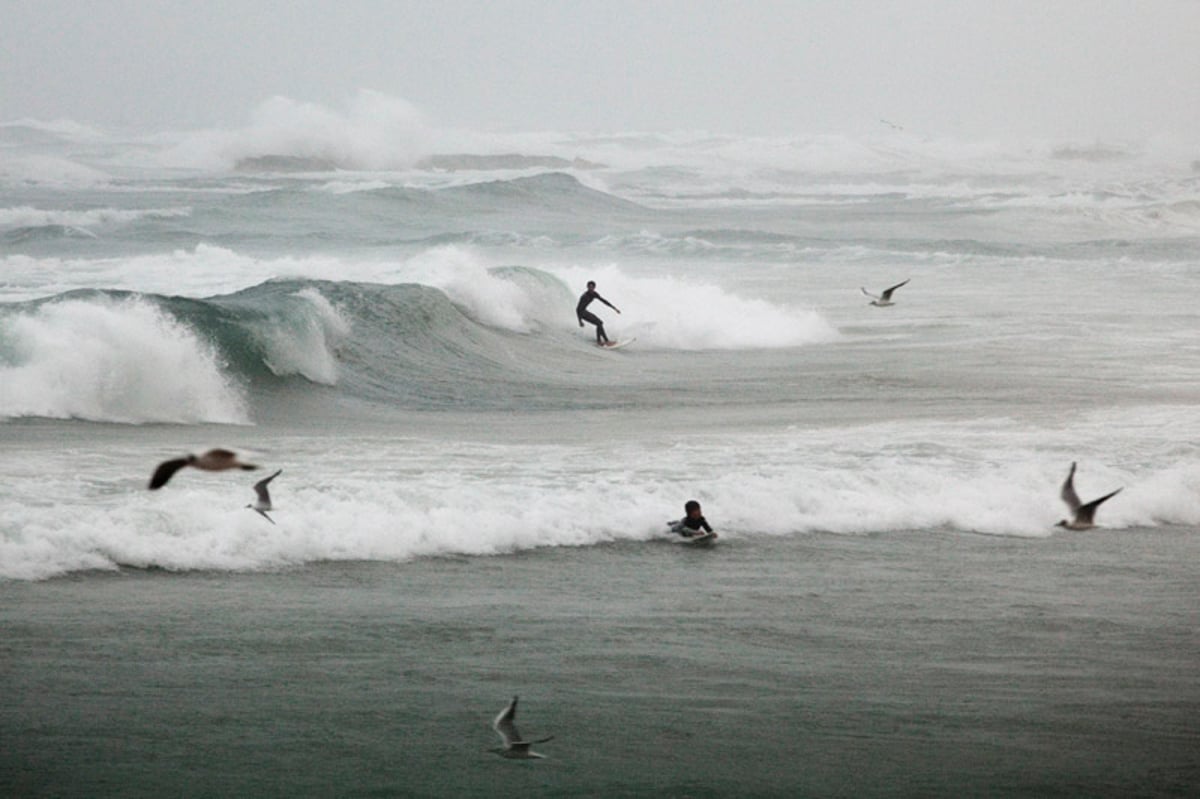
[(691, 525), (584, 315)]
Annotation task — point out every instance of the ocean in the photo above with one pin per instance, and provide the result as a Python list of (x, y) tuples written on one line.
[(473, 498)]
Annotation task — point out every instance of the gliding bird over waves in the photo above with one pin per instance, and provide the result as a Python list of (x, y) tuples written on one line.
[(263, 503), (1082, 516), (215, 460), (885, 299), (513, 747)]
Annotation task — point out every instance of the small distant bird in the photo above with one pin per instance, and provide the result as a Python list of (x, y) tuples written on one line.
[(1082, 515), (885, 299), (215, 460), (263, 503), (514, 747)]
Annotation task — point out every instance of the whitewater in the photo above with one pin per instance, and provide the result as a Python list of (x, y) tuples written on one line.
[(474, 497), (239, 287)]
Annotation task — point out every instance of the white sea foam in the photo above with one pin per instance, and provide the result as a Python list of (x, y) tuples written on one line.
[(111, 361), (203, 271), (688, 314), (401, 498), (353, 186), (305, 341)]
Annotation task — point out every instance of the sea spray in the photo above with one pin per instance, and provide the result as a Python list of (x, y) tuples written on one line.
[(123, 361)]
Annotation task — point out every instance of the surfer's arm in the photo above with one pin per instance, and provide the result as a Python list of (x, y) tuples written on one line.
[(609, 304), (704, 524)]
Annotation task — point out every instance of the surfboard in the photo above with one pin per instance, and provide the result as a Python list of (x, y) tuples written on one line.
[(701, 540), (616, 345)]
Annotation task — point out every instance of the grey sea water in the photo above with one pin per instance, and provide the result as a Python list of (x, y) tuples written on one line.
[(473, 497)]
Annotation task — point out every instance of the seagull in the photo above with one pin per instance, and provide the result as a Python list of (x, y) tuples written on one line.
[(263, 503), (513, 747), (1082, 515), (884, 299), (215, 460)]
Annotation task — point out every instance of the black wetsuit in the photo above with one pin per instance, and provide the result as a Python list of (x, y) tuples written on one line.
[(584, 315), (690, 527)]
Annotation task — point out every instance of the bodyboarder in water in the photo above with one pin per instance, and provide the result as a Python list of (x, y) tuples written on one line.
[(693, 524), (584, 315)]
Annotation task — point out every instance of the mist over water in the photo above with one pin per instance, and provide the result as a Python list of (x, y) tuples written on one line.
[(352, 260), (474, 498)]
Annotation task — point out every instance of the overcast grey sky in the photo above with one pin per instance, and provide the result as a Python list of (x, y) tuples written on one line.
[(1074, 68)]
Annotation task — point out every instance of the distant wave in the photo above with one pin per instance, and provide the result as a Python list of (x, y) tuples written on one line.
[(505, 161), (49, 170), (547, 193), (51, 232), (374, 131), (36, 131), (27, 216), (25, 224)]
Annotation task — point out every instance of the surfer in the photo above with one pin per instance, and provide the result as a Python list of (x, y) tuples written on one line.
[(691, 524), (584, 315)]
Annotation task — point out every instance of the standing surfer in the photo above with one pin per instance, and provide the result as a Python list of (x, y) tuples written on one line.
[(584, 315)]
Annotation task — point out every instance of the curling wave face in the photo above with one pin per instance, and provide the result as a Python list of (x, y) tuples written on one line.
[(458, 336)]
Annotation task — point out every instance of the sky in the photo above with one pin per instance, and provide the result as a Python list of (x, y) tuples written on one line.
[(1071, 69)]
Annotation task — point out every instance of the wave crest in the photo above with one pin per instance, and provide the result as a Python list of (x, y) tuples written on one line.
[(375, 131), (122, 361)]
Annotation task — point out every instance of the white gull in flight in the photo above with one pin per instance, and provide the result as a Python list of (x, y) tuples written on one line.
[(1082, 516), (885, 299), (514, 747), (263, 503)]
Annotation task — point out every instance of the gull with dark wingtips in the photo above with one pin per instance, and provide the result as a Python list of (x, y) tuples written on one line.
[(1082, 516), (514, 747), (885, 299), (215, 460), (263, 503)]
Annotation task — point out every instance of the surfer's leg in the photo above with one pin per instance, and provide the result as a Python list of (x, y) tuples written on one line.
[(588, 316)]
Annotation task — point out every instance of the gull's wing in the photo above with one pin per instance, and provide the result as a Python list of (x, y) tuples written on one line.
[(1068, 491), (263, 513), (1087, 513), (260, 488), (869, 294), (165, 470), (505, 726), (887, 293)]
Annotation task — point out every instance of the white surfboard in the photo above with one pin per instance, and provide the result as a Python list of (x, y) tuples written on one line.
[(700, 540), (616, 345)]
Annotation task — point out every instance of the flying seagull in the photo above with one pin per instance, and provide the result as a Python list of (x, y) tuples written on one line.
[(884, 299), (1082, 515), (514, 747), (215, 460), (263, 503)]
